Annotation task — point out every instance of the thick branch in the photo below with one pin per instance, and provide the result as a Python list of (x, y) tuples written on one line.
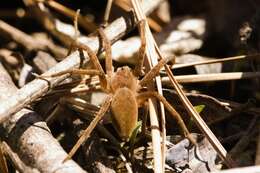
[(30, 137), (38, 87)]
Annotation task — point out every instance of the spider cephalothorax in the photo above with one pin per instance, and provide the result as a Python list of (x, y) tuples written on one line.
[(124, 77)]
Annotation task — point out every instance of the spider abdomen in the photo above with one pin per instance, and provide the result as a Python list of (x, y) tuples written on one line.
[(124, 112)]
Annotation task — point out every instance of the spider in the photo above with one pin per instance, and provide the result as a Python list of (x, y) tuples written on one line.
[(124, 90)]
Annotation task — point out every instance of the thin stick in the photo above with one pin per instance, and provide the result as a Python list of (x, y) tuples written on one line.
[(234, 58), (212, 77), (38, 87), (107, 12)]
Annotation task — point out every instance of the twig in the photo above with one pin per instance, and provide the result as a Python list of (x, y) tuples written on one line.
[(39, 87), (234, 58), (28, 42), (30, 137), (212, 77)]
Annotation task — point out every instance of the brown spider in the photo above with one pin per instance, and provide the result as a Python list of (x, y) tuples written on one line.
[(123, 89)]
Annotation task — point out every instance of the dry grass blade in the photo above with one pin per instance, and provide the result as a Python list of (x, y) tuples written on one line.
[(158, 150), (38, 87), (212, 77)]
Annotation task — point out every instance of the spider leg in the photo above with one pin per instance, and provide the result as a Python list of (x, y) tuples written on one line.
[(69, 100), (94, 59), (141, 54), (107, 46), (154, 71), (90, 128), (150, 94)]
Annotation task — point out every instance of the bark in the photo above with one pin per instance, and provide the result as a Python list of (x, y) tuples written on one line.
[(31, 139)]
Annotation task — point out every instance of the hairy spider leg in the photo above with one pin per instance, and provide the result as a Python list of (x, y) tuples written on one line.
[(107, 46), (142, 49), (142, 97), (85, 135)]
